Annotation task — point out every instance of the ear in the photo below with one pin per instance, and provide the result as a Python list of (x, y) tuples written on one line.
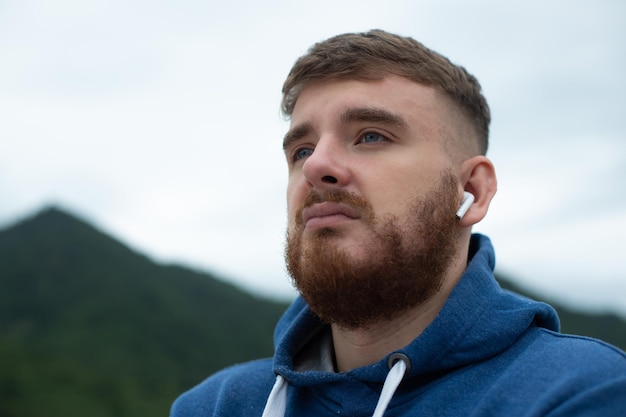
[(477, 176)]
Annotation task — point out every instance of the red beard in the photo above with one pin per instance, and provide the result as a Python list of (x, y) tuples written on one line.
[(405, 268)]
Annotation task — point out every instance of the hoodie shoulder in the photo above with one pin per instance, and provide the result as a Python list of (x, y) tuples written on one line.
[(563, 375), (592, 358), (239, 390)]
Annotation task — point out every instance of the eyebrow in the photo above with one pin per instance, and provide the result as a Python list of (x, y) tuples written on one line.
[(296, 133)]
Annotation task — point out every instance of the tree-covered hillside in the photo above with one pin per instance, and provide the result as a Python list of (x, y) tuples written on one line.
[(88, 327)]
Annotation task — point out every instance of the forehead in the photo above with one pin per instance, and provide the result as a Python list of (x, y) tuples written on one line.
[(331, 99)]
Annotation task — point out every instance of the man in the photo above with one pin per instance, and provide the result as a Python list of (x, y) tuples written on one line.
[(399, 313)]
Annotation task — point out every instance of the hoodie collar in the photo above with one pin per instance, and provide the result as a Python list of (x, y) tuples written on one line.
[(478, 321)]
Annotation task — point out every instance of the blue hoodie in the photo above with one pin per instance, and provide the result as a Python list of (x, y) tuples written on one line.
[(489, 352)]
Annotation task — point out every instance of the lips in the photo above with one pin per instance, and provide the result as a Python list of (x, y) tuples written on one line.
[(327, 214)]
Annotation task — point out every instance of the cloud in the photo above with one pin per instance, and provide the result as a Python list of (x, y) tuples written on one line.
[(160, 121)]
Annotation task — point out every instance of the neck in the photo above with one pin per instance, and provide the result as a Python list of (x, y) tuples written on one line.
[(364, 346)]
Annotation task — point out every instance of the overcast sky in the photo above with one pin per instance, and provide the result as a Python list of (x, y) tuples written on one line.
[(159, 122)]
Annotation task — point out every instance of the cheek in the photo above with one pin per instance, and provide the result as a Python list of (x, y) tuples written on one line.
[(395, 194), (294, 200)]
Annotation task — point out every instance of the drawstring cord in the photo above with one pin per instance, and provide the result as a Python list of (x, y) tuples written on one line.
[(277, 401), (394, 377)]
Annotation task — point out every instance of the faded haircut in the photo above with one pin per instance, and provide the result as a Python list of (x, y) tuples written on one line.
[(372, 55)]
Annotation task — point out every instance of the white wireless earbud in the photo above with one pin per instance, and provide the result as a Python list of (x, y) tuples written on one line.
[(467, 201)]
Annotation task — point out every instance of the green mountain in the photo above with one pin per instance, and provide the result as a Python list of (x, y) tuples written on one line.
[(88, 327)]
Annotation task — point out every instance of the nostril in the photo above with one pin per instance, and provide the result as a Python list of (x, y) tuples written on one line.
[(329, 179)]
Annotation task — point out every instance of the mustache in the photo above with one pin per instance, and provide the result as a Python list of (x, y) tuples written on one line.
[(335, 196)]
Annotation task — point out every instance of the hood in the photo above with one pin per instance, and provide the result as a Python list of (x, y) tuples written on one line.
[(478, 321)]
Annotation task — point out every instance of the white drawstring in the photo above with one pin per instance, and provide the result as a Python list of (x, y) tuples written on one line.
[(277, 401), (394, 377)]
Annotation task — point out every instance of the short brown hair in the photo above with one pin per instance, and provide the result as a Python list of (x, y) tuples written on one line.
[(371, 55)]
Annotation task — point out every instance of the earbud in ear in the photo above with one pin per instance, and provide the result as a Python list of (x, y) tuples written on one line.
[(467, 201)]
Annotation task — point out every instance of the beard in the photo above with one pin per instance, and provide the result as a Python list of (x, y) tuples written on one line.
[(405, 267)]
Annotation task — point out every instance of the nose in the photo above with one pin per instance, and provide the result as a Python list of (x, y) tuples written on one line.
[(326, 167)]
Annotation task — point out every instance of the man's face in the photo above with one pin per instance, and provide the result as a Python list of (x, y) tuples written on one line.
[(371, 197)]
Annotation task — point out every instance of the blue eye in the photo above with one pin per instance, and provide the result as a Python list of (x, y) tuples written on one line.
[(302, 153), (372, 137)]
